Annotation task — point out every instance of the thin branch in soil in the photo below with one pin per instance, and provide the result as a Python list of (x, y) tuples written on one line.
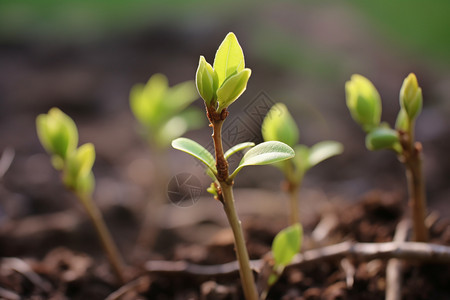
[(22, 267), (6, 161), (364, 251), (131, 286), (8, 295)]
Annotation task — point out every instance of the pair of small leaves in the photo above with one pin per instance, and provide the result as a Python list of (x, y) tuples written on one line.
[(58, 134), (262, 154), (163, 111), (279, 125), (286, 244), (221, 84)]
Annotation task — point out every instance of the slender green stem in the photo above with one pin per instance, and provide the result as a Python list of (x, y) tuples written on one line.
[(246, 274), (412, 159), (293, 184), (221, 162), (227, 199), (416, 191), (107, 242), (293, 190)]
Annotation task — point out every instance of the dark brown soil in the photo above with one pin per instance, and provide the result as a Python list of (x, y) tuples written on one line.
[(67, 274)]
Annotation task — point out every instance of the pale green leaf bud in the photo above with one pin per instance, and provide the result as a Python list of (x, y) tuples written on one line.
[(411, 96), (402, 122), (207, 81), (363, 101)]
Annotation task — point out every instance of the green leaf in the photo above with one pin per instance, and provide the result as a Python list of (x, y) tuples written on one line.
[(197, 151), (238, 148), (146, 100), (278, 125), (229, 58), (383, 138), (363, 102), (323, 150), (263, 154), (206, 80), (232, 88), (286, 244), (57, 132)]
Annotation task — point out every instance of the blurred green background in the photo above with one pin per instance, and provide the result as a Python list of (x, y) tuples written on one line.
[(84, 56)]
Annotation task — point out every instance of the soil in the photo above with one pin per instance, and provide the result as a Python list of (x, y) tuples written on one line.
[(64, 273)]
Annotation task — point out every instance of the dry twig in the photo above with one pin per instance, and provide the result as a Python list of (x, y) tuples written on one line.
[(6, 161), (22, 267), (133, 285), (364, 251)]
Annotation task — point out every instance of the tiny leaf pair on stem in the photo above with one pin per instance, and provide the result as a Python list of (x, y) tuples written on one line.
[(58, 134), (279, 125), (364, 104), (219, 86)]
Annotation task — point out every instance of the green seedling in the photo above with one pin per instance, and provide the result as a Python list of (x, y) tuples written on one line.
[(219, 86), (285, 246), (364, 104), (58, 134), (278, 125), (164, 114)]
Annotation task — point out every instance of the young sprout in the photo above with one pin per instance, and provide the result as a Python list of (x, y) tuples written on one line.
[(164, 114), (219, 86), (364, 104), (285, 246), (58, 134), (278, 125)]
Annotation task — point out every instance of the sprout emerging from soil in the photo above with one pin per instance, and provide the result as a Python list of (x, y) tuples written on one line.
[(278, 125), (163, 114), (365, 107), (58, 134), (219, 86)]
